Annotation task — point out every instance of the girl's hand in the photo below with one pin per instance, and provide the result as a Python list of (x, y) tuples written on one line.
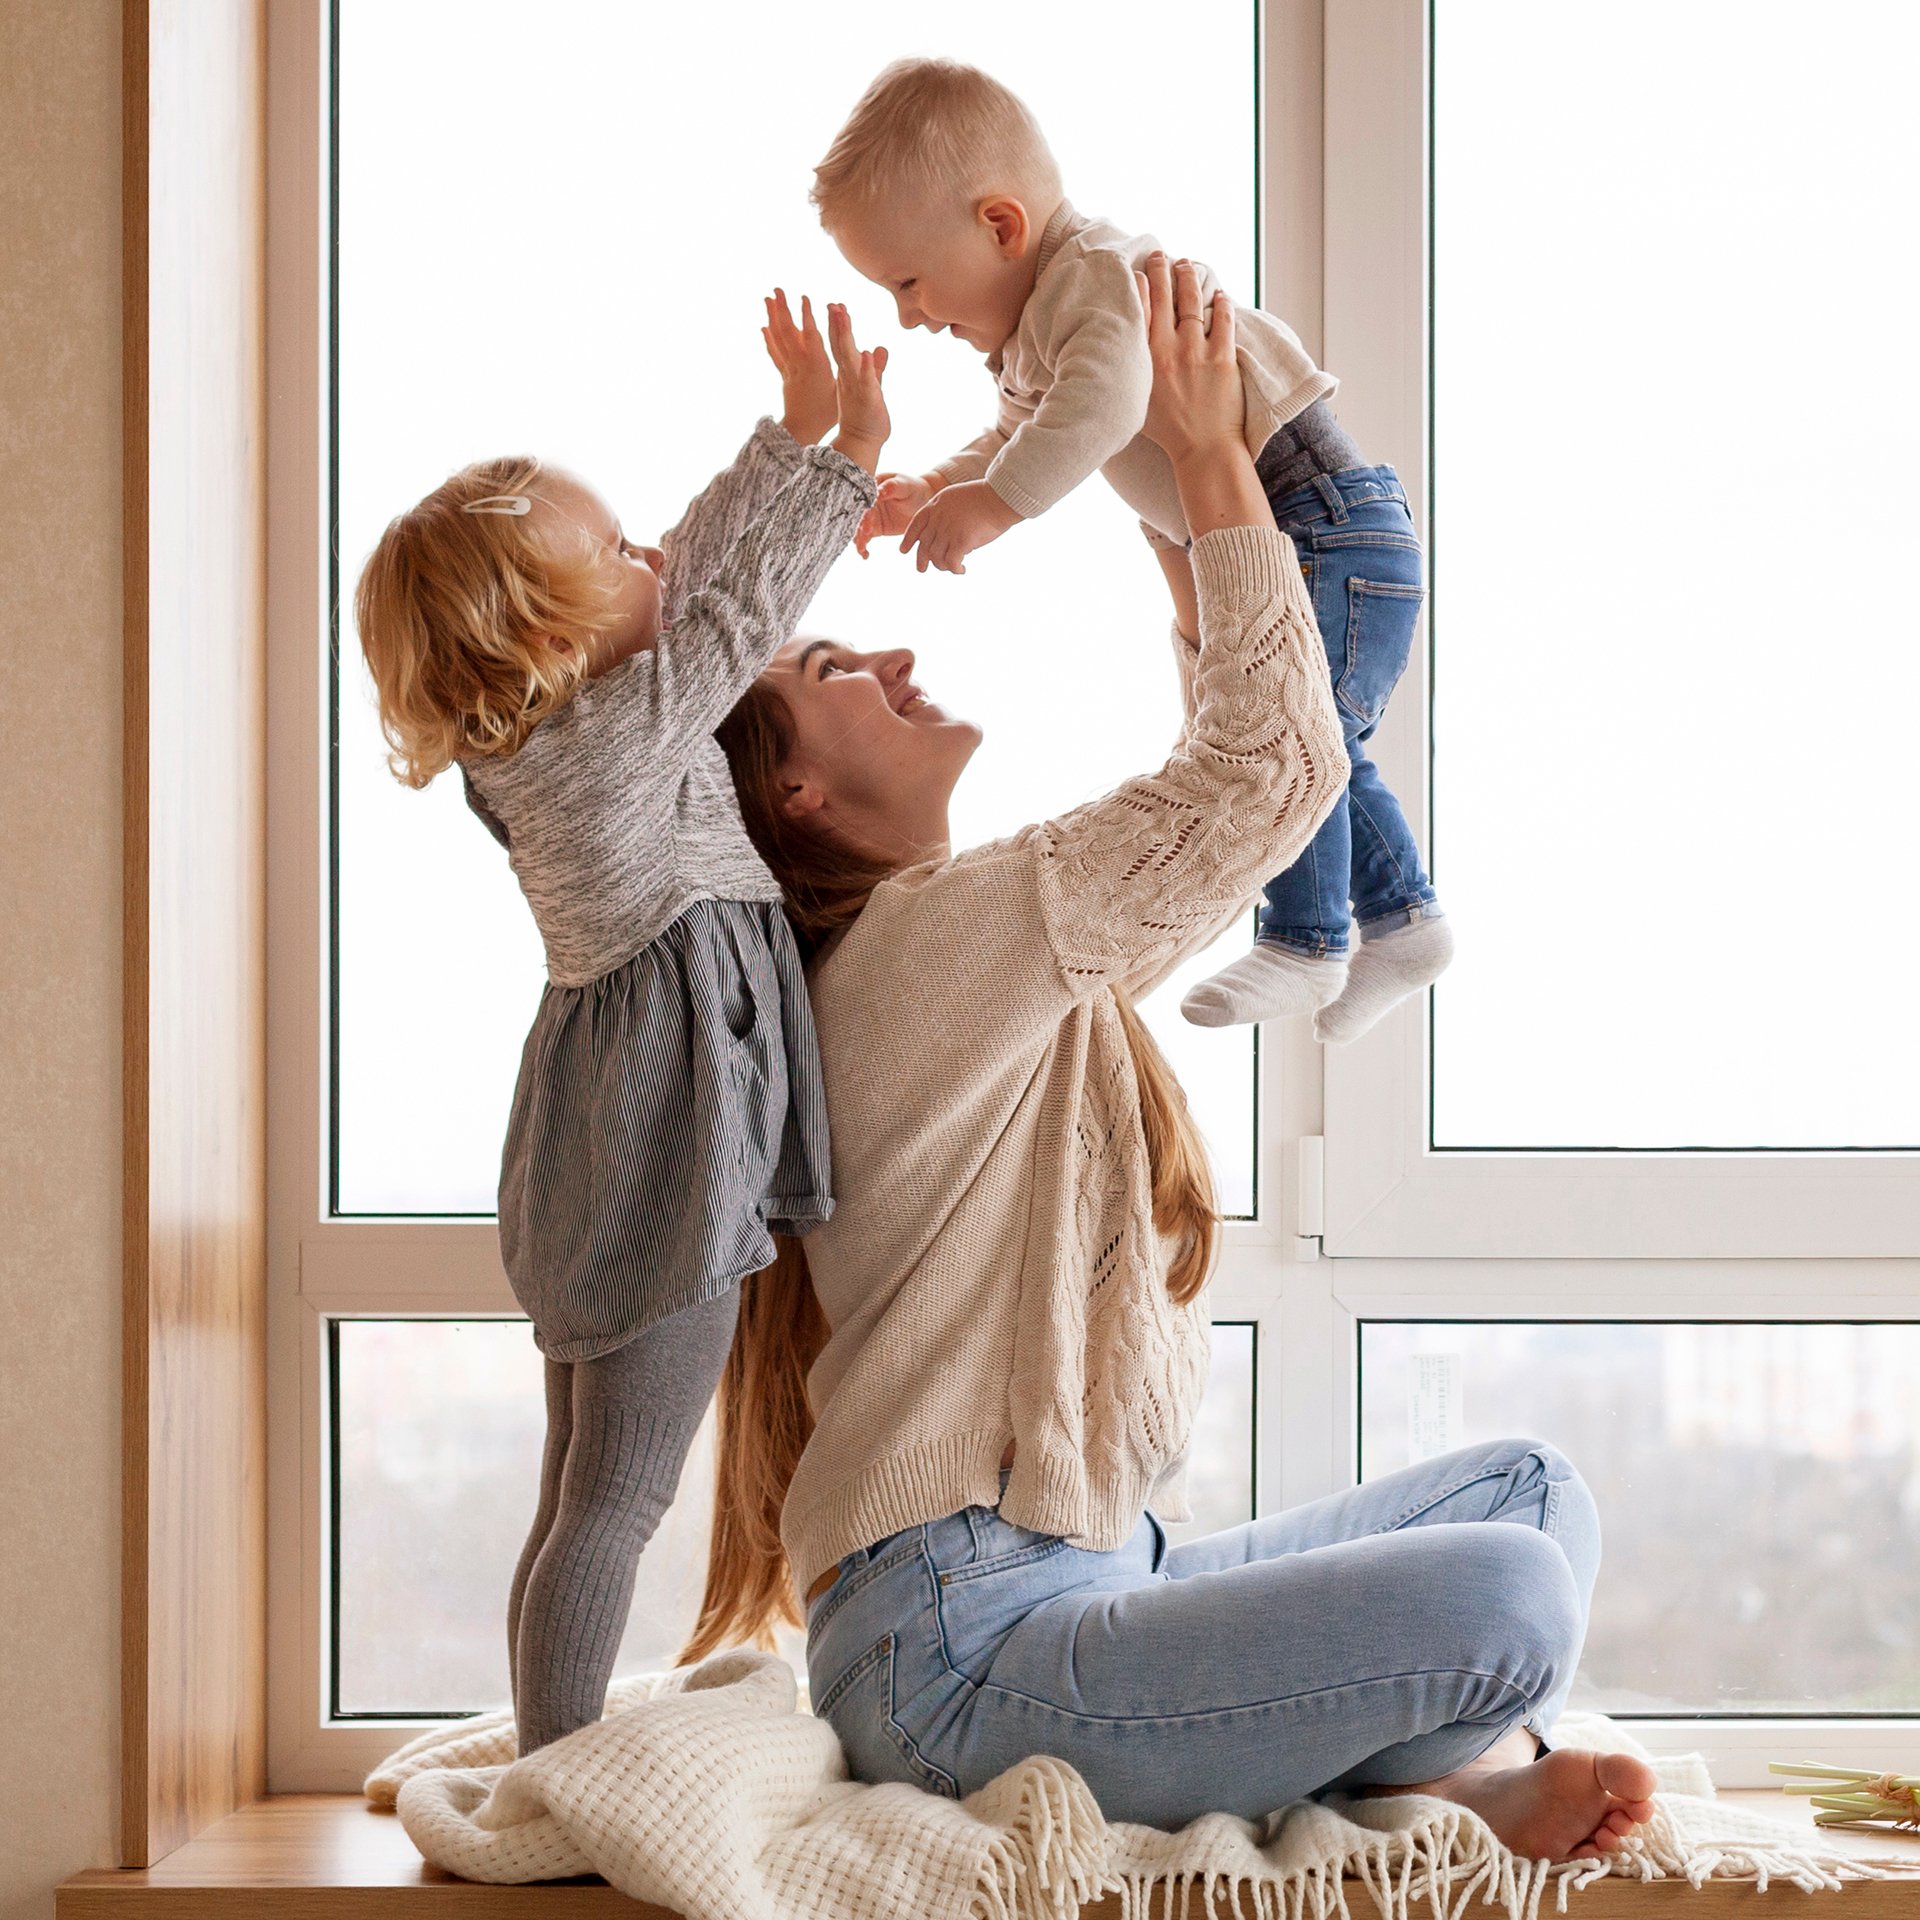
[(808, 404), (1197, 400), (864, 424), (902, 495)]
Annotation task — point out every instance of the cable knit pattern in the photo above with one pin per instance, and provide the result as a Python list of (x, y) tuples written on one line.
[(992, 1274), (618, 810)]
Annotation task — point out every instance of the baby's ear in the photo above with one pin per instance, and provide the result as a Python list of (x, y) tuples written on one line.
[(1007, 219)]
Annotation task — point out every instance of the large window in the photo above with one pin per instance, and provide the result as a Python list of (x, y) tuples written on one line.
[(1673, 396), (519, 258), (1622, 323), (1641, 1179), (1759, 1490), (558, 241)]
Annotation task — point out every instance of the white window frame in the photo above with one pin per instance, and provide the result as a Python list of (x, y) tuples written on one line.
[(1388, 1192), (1306, 1308), (1411, 1233)]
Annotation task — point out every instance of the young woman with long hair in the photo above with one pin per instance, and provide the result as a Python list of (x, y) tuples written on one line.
[(956, 1423)]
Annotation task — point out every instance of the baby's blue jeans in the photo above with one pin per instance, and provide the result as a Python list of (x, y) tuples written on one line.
[(1361, 558), (1383, 1636)]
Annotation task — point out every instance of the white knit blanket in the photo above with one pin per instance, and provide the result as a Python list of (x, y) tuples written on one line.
[(709, 1792)]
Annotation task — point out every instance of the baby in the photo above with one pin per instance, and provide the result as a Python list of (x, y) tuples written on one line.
[(941, 189)]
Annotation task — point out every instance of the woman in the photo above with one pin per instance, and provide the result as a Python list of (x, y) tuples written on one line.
[(1014, 1341)]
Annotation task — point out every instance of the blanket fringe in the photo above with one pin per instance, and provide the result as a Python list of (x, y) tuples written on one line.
[(1455, 1865), (1046, 1865)]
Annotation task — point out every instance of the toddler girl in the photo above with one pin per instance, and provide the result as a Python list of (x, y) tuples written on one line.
[(668, 1114)]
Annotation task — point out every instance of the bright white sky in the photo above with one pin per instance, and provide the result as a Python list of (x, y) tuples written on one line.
[(557, 240), (1677, 670)]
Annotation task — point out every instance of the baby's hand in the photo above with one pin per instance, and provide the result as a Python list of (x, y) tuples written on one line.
[(808, 403), (901, 496), (956, 521), (864, 424)]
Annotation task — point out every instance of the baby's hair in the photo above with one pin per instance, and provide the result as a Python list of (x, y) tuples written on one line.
[(457, 612), (934, 131)]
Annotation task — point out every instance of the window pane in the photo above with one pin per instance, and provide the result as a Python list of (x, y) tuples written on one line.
[(555, 301), (1220, 1457), (1670, 337), (1759, 1494), (438, 1427)]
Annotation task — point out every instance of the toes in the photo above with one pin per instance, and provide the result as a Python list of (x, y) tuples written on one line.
[(1624, 1777)]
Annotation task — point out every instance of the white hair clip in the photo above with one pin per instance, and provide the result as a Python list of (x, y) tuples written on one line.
[(513, 503)]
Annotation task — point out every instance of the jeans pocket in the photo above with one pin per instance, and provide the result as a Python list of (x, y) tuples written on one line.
[(996, 1546), (860, 1708), (1381, 617)]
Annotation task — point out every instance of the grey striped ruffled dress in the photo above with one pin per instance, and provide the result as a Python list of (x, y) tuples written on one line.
[(669, 1111)]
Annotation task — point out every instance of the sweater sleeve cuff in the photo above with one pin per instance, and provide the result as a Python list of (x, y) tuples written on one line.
[(1238, 564), (773, 438), (830, 460), (1028, 506)]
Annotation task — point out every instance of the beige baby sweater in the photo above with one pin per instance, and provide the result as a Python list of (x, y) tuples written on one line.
[(992, 1273), (1075, 377)]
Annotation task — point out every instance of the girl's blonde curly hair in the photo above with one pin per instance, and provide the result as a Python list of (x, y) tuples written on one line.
[(458, 613)]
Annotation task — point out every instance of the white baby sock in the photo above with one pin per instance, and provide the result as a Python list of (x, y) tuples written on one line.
[(1388, 967), (1266, 984)]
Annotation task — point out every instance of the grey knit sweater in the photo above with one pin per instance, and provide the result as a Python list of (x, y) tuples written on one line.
[(618, 811)]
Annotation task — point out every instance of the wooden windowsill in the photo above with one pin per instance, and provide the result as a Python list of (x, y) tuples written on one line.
[(304, 1856)]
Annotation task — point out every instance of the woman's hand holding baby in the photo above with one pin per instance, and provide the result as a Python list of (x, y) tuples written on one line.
[(1197, 412)]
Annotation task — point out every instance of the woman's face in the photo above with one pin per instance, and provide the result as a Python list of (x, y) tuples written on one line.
[(873, 757)]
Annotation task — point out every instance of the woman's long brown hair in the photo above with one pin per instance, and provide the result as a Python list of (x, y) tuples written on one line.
[(763, 1418)]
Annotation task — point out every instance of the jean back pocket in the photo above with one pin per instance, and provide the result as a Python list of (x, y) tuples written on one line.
[(860, 1708)]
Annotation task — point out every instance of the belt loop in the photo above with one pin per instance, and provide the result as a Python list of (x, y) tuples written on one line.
[(1330, 494)]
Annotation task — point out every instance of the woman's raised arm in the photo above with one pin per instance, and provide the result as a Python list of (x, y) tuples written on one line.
[(1134, 882), (1198, 407)]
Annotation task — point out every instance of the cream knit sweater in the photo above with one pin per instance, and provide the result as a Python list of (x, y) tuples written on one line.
[(991, 1274)]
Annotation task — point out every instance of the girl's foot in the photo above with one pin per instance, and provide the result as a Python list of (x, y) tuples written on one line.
[(1384, 972), (1266, 984), (1569, 1805)]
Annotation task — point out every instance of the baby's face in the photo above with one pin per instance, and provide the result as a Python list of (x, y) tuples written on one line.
[(967, 274)]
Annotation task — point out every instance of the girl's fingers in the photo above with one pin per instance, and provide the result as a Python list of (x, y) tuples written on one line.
[(806, 317), (879, 361), (840, 339)]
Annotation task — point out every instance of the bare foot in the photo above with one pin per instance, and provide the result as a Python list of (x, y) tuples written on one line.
[(1569, 1805)]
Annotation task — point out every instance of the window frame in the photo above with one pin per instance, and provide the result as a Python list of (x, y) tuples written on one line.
[(1389, 1192), (1312, 1265)]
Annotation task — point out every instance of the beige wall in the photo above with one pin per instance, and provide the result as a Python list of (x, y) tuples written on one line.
[(59, 941)]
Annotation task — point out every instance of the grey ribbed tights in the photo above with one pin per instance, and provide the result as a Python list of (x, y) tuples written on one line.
[(618, 1431)]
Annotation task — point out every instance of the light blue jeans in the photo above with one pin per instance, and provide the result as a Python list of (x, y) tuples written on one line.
[(1382, 1636)]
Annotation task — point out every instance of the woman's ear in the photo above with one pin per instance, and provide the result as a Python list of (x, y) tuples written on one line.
[(1007, 219), (799, 798)]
